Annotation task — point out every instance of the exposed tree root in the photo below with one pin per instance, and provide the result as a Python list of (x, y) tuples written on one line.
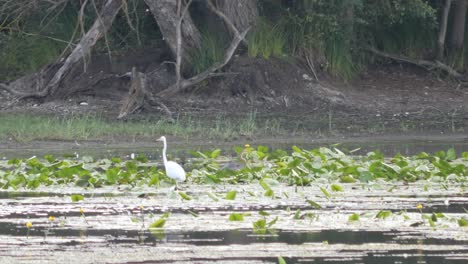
[(139, 95), (428, 65)]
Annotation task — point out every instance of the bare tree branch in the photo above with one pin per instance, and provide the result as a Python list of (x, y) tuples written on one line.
[(179, 50)]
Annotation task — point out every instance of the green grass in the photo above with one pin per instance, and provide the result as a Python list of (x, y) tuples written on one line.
[(211, 51), (24, 127), (340, 60), (266, 40)]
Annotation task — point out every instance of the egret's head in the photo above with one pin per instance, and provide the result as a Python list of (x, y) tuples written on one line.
[(163, 138)]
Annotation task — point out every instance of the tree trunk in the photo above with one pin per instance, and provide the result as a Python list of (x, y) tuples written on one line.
[(242, 13), (97, 30), (348, 22), (165, 13), (458, 27), (443, 30)]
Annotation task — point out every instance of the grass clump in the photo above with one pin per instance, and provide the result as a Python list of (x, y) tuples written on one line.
[(211, 51), (266, 40)]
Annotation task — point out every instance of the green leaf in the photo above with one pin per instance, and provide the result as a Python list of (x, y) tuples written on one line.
[(263, 213), (112, 175), (272, 222), (269, 193), (231, 195), (116, 160), (185, 196), (281, 260), (451, 154), (465, 155), (264, 185), (50, 158), (347, 179), (336, 188), (131, 167), (236, 217), (297, 150), (259, 224), (297, 215), (215, 153), (366, 176), (141, 158), (213, 197), (314, 204), (262, 149), (76, 198), (325, 192), (462, 222), (354, 217), (158, 223), (383, 214)]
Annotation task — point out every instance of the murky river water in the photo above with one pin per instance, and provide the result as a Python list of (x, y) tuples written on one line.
[(111, 225), (114, 225)]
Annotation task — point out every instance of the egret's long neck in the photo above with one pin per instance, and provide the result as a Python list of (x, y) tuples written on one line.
[(164, 152)]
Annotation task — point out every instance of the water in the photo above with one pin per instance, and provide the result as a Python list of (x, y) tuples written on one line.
[(405, 145), (114, 227)]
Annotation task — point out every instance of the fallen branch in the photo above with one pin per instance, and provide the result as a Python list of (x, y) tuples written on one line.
[(428, 65)]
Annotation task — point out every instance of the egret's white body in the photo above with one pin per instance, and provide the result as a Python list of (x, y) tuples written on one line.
[(173, 170)]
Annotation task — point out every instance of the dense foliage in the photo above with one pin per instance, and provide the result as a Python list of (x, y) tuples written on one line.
[(333, 35)]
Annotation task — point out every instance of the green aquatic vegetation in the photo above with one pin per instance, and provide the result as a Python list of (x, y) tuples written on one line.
[(185, 196), (354, 217), (314, 204), (383, 214), (297, 214), (300, 167), (262, 226), (463, 222), (336, 188), (231, 195), (77, 197), (236, 217), (158, 223), (325, 192), (281, 260)]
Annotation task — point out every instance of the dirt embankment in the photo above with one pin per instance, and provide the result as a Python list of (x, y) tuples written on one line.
[(398, 97)]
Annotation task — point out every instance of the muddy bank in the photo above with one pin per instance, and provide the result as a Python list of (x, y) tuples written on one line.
[(383, 99)]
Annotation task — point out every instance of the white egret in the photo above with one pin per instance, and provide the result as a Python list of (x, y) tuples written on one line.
[(173, 170)]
